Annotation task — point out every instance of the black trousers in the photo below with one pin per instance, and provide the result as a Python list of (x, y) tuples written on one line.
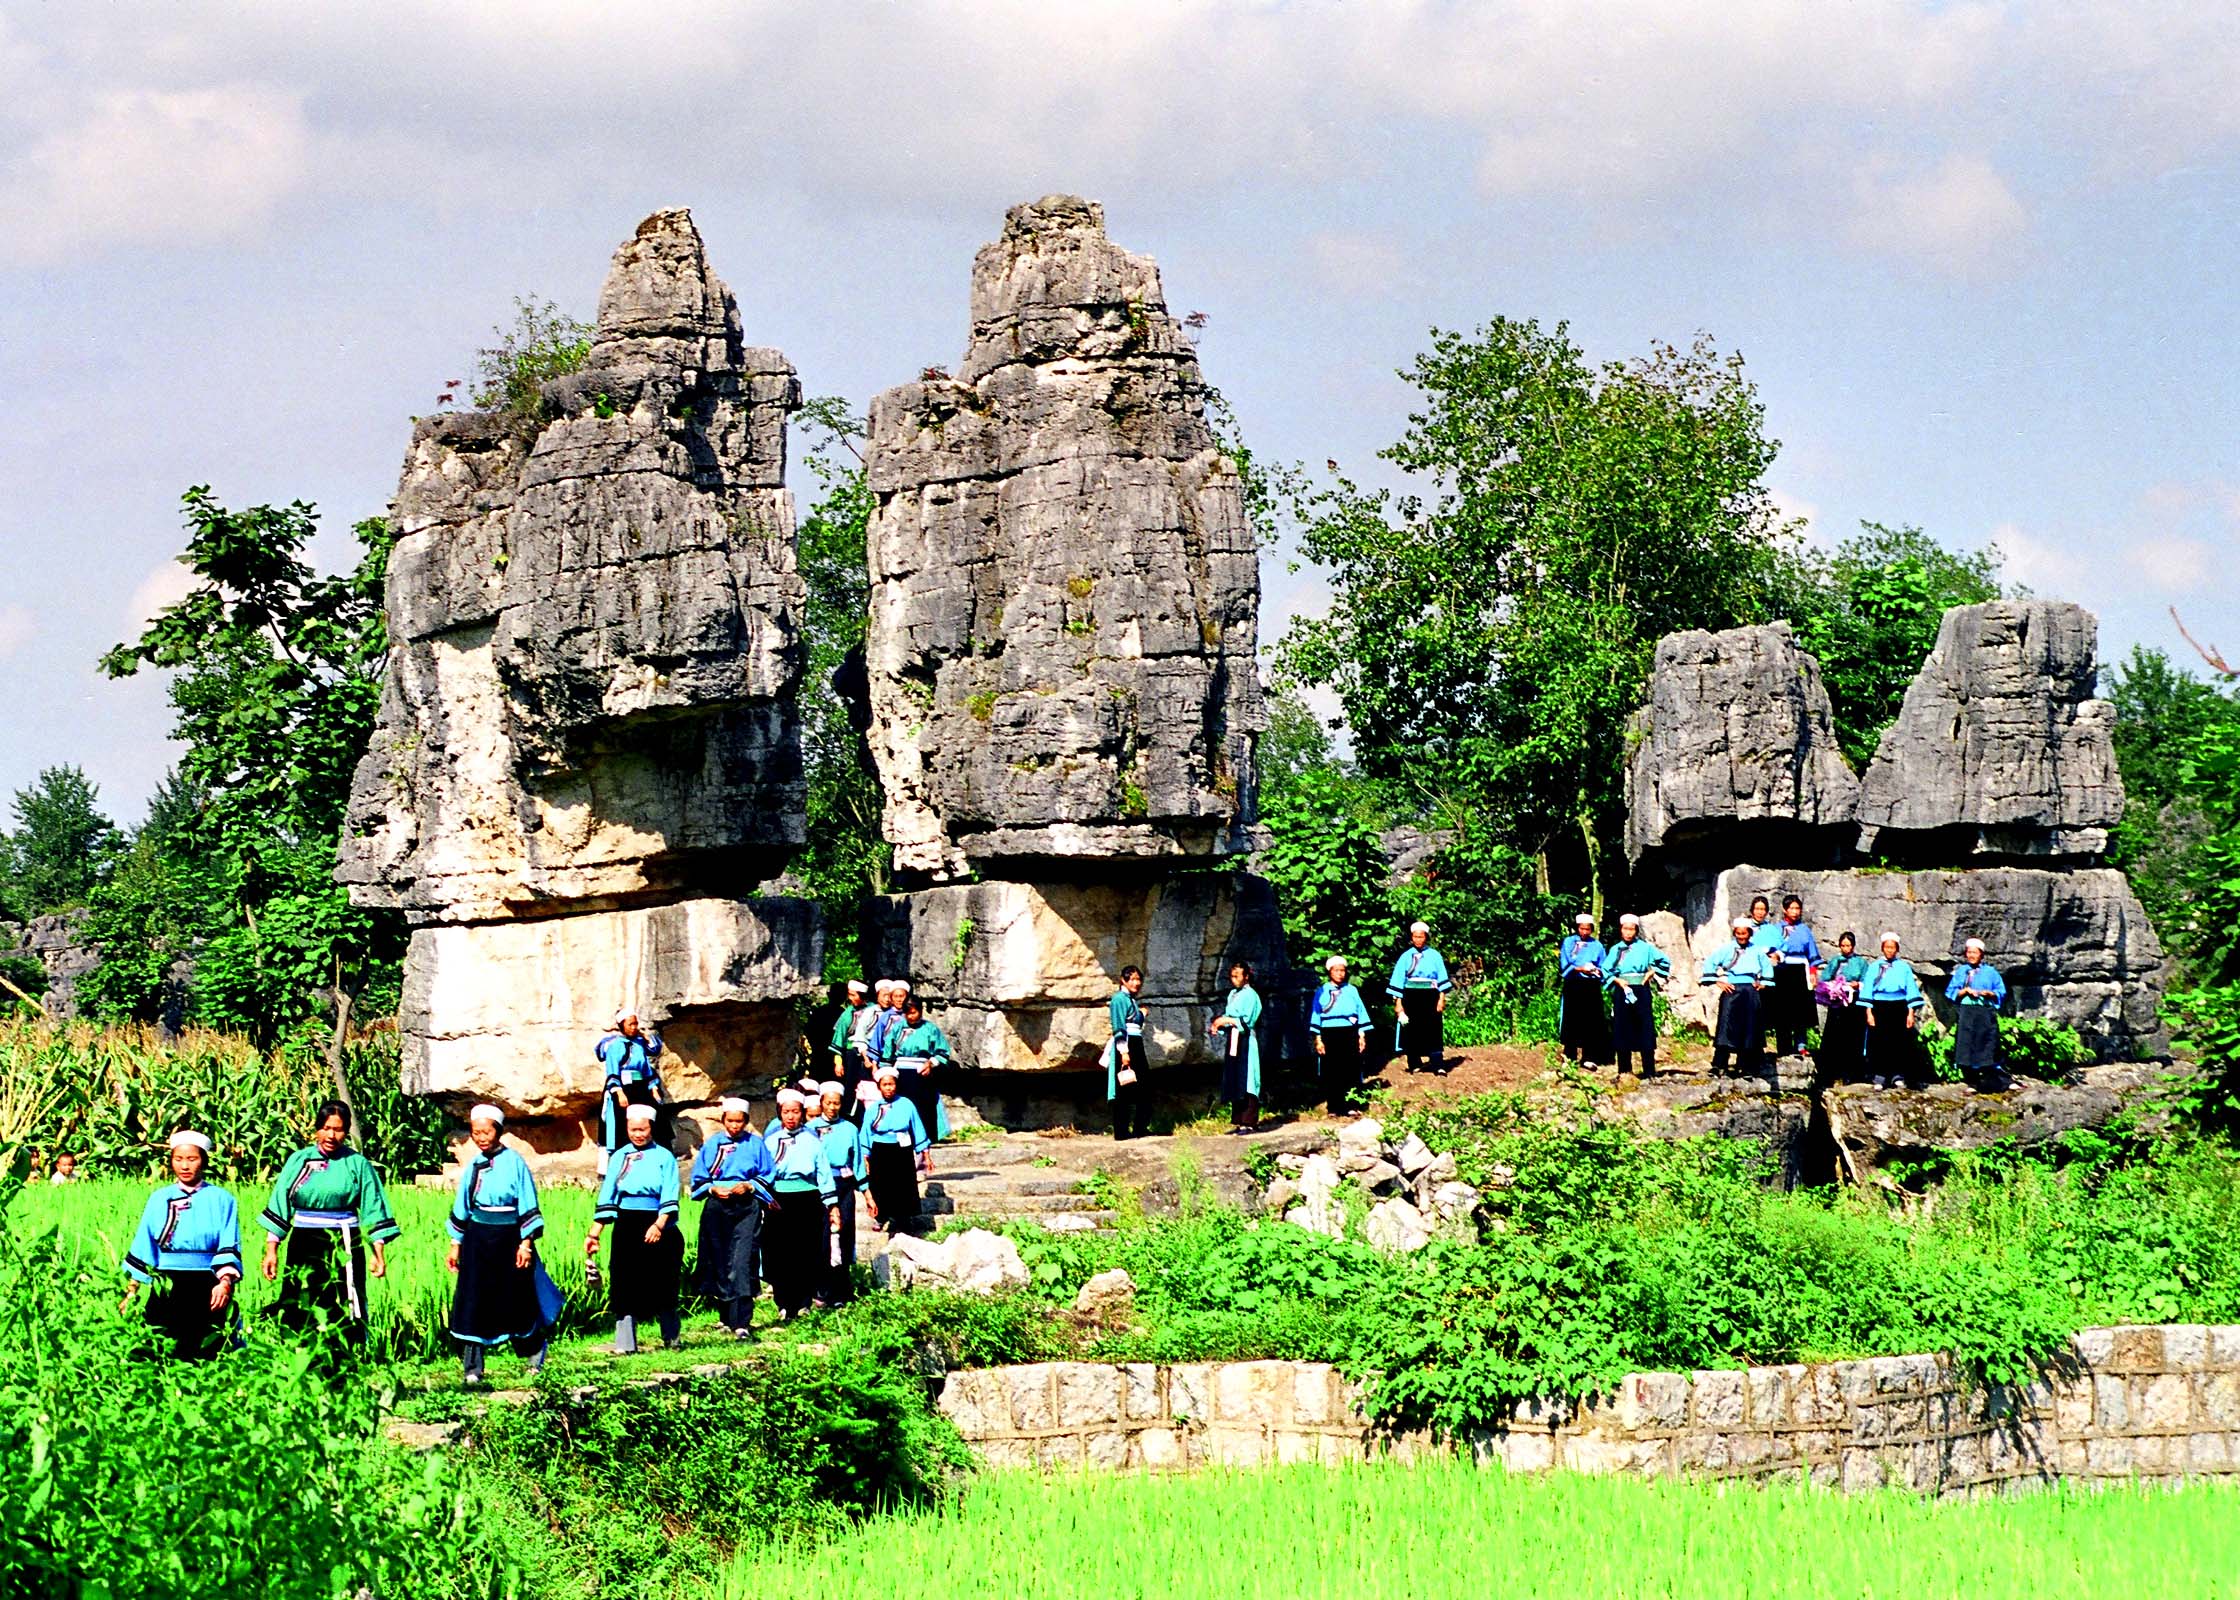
[(796, 1249), (1341, 1067), (178, 1311), (323, 1283), (1893, 1052), (1633, 1028), (1842, 1056), (1792, 1006), (1585, 1028), (1423, 1030), (840, 1284), (918, 1089), (1131, 1113), (730, 1257), (894, 1186), (1740, 1038)]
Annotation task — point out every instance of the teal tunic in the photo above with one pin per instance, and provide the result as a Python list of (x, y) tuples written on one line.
[(1124, 1013), (1244, 1005), (843, 1147), (186, 1230), (1635, 961), (497, 1189), (328, 1186)]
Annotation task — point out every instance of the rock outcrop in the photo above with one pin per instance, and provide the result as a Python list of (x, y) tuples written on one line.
[(588, 751), (1063, 691), (1737, 742), (2000, 749), (1064, 587), (1877, 1128)]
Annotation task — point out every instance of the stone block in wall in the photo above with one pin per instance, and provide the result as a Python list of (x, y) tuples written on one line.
[(1107, 1451), (2162, 1403), (2185, 1347), (1019, 975), (1088, 1392), (1225, 1446), (1719, 1400), (2224, 1347), (1029, 1392), (1652, 1400), (1160, 1449), (2217, 1399), (1143, 1399), (1190, 1391)]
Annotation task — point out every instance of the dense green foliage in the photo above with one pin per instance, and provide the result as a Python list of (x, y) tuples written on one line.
[(542, 343), (1397, 1531), (124, 1474), (276, 678), (61, 847), (1869, 613)]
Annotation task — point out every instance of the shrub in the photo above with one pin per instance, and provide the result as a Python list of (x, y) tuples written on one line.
[(543, 343)]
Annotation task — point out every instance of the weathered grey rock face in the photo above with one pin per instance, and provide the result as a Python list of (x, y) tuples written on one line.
[(509, 1011), (1876, 1127), (1737, 741), (1761, 1109), (1019, 975), (2000, 747), (2073, 943), (58, 940), (590, 695), (1065, 591)]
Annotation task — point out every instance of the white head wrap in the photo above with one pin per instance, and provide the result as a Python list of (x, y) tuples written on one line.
[(788, 1096), (1334, 963), (1890, 938), (638, 1114), (832, 1086), (1586, 917), (886, 1071), (623, 1014), (856, 986), (1629, 920), (187, 1136), (487, 1112), (1419, 927), (1740, 924), (730, 1103), (1973, 944), (901, 986)]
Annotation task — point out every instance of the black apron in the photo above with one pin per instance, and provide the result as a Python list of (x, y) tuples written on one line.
[(322, 1270), (1843, 1042), (796, 1247), (1633, 1028), (642, 1278), (1341, 1066), (1739, 1032), (1236, 1064), (179, 1310), (494, 1300), (1586, 1026), (1792, 999), (730, 1234), (1422, 1028), (1975, 1039), (1890, 1051), (894, 1185)]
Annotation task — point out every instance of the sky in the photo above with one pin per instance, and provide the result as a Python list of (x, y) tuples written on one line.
[(1979, 258)]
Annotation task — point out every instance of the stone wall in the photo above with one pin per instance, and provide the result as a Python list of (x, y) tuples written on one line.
[(2155, 1403)]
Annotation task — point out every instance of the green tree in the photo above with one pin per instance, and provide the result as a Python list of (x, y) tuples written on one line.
[(1326, 860), (1490, 635), (542, 343), (277, 676), (1869, 613), (62, 845), (847, 858)]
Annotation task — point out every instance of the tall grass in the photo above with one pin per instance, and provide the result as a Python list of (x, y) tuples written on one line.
[(1441, 1528)]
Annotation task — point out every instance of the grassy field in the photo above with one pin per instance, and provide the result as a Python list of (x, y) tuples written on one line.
[(1440, 1529)]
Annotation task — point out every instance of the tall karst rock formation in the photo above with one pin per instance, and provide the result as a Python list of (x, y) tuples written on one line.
[(1064, 697), (588, 752)]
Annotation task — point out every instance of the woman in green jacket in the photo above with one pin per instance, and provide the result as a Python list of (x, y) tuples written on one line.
[(329, 1206), (1238, 1030), (917, 1048)]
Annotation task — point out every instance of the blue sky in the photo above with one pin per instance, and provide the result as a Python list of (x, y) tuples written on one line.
[(1979, 257)]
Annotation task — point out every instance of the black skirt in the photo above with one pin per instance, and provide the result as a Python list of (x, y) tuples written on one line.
[(918, 1089), (839, 1283), (1341, 1065), (1633, 1027), (1792, 999), (1890, 1043), (1423, 1030), (1975, 1039), (894, 1185), (796, 1248), (1739, 1031), (494, 1300), (720, 1274), (1843, 1042), (179, 1312), (1586, 1026), (322, 1279), (642, 1278)]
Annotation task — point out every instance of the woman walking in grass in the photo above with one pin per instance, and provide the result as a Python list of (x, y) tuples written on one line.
[(188, 1252), (731, 1180), (804, 1216), (894, 1137), (844, 1153), (494, 1227), (330, 1208), (1238, 1029), (638, 1199)]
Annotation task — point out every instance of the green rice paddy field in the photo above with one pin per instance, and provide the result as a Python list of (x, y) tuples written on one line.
[(1439, 1529)]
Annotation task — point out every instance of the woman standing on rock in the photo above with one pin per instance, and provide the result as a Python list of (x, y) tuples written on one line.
[(1126, 1062), (918, 1049), (844, 1153), (188, 1250), (1583, 1027), (629, 1057), (1843, 1038), (895, 1140), (328, 1204), (1977, 992), (1635, 970), (804, 1219), (638, 1199), (1891, 997), (1798, 956), (494, 1227), (1418, 989), (1340, 1024), (1740, 970), (1238, 1029), (731, 1180)]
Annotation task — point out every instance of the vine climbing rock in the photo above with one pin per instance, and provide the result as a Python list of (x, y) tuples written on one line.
[(589, 720), (1064, 586)]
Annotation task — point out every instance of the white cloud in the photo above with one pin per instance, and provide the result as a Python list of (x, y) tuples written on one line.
[(2044, 566), (153, 166), (2172, 562), (1958, 217), (1356, 264), (18, 625), (166, 584), (1793, 509)]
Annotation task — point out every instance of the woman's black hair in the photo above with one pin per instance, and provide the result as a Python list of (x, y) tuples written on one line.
[(331, 1108), (1848, 934), (1243, 966), (1758, 900), (1793, 900), (1130, 972), (910, 1000)]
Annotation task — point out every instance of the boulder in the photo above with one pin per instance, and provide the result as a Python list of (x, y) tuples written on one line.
[(1396, 1227), (973, 1262), (65, 956), (2001, 748), (1318, 1210), (1281, 1195), (1109, 1296), (1737, 742), (1877, 1127), (2073, 942), (1363, 1135), (1021, 974), (1688, 1108), (1413, 1156), (1378, 1177), (1064, 586), (595, 623), (1454, 1203)]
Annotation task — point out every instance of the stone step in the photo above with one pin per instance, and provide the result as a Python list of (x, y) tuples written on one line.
[(989, 1203), (968, 1183)]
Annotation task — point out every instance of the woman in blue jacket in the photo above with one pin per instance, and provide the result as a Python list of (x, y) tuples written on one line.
[(1977, 992), (1340, 1025), (187, 1252), (1893, 1000)]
